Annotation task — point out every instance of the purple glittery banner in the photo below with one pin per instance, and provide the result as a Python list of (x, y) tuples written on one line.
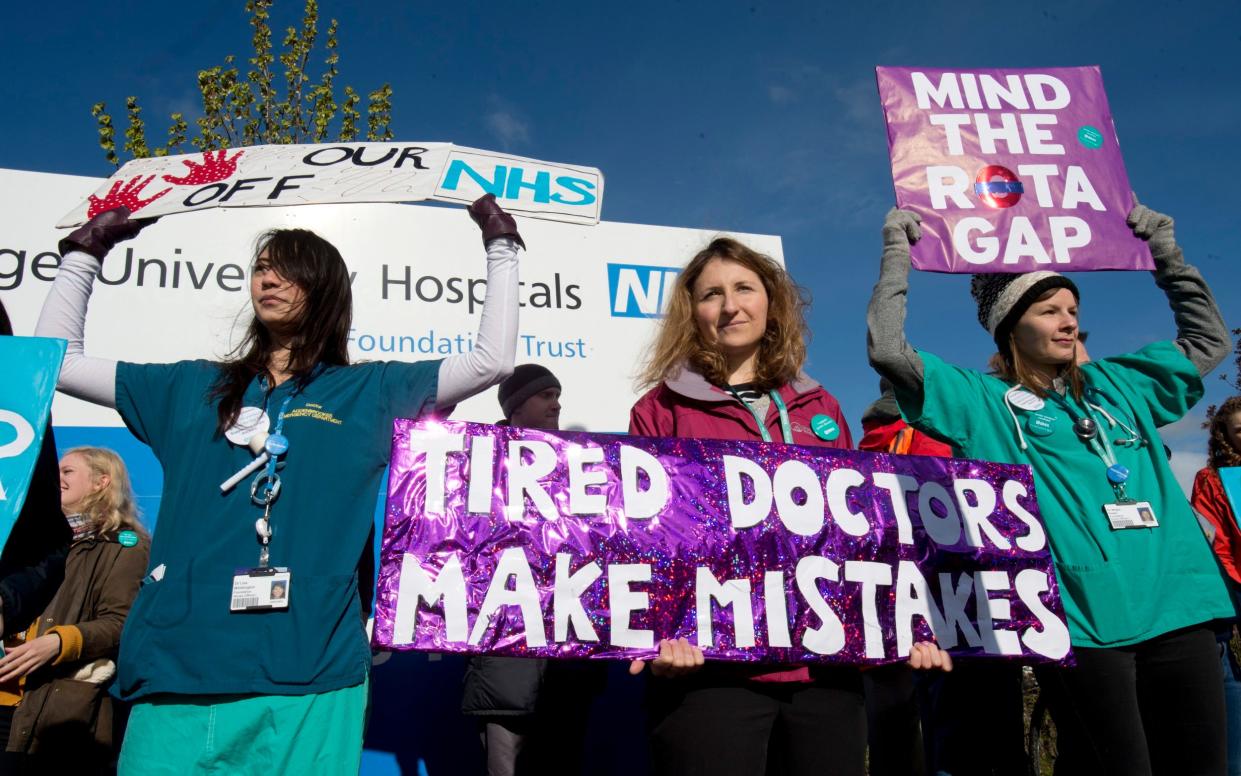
[(522, 542), (1010, 170)]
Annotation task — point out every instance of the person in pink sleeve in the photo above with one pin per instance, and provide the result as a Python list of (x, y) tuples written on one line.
[(727, 364)]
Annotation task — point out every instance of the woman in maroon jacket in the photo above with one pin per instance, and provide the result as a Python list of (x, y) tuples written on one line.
[(726, 364)]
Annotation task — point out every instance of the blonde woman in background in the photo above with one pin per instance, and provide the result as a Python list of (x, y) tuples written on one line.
[(55, 678)]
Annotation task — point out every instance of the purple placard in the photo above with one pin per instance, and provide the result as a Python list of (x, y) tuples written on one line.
[(1010, 170), (755, 552)]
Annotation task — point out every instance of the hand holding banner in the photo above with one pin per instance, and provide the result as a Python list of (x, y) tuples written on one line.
[(522, 542), (1010, 170), (283, 175)]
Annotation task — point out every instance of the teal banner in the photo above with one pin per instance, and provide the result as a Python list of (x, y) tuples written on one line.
[(1231, 477), (30, 366)]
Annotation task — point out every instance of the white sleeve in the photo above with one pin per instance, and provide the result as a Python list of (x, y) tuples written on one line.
[(495, 347), (64, 317)]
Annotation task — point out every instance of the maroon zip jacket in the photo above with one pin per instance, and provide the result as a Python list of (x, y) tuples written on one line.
[(688, 406)]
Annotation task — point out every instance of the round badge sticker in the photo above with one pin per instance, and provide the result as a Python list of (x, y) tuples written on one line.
[(127, 538), (825, 427), (277, 444), (1039, 424), (249, 420), (1090, 137), (1024, 400)]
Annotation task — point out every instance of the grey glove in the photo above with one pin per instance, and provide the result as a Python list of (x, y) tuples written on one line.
[(100, 234), (1155, 228), (901, 229), (492, 219)]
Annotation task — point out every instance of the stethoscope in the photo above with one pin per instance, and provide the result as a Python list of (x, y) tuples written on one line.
[(250, 430), (1085, 426)]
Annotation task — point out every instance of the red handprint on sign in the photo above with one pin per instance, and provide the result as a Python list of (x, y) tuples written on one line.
[(213, 168), (122, 193)]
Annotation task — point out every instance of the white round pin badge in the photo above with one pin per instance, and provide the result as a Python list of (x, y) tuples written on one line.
[(1026, 401), (249, 420)]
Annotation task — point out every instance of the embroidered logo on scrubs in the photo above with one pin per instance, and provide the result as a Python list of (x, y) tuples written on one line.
[(316, 412), (1039, 424)]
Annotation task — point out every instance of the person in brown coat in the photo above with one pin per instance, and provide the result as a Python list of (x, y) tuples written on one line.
[(61, 669)]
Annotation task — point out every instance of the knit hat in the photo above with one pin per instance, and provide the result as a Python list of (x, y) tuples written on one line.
[(1003, 299), (525, 381)]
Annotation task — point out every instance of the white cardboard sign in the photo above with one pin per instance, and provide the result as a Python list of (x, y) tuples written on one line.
[(286, 175)]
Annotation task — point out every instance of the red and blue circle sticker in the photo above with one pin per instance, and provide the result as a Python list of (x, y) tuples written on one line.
[(997, 186)]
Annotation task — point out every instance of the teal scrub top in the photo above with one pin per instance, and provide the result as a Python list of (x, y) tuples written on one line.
[(180, 636), (1118, 586)]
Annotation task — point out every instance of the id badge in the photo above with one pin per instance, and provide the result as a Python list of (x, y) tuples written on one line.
[(1133, 514), (262, 589)]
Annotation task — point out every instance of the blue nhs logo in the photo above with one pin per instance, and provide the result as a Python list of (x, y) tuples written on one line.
[(640, 290)]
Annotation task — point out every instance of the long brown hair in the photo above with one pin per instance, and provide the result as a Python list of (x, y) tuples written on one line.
[(113, 508), (782, 350), (1011, 366), (1221, 451), (306, 259)]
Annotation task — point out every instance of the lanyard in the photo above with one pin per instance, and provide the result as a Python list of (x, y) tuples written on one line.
[(786, 429), (277, 444), (268, 482), (1100, 443)]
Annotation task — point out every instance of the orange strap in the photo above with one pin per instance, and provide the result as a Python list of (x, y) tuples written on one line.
[(901, 443)]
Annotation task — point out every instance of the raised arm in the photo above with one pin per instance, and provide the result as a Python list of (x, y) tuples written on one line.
[(64, 310), (495, 346), (890, 353), (1200, 331)]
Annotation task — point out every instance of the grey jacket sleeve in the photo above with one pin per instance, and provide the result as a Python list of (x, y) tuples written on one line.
[(1200, 330), (890, 353)]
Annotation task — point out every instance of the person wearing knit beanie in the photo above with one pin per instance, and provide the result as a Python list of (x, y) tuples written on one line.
[(530, 398), (1003, 299), (532, 714), (1140, 599)]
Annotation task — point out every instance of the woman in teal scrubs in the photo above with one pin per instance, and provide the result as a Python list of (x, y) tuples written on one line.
[(1145, 696), (225, 677)]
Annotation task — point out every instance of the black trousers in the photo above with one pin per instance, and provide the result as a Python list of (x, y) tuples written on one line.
[(702, 727), (1151, 708), (972, 719), (893, 734)]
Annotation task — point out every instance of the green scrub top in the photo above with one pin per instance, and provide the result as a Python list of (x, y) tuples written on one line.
[(180, 636), (1118, 586)]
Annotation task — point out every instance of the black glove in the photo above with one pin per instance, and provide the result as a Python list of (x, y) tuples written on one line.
[(492, 219), (98, 235)]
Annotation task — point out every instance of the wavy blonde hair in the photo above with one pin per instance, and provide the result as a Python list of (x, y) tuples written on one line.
[(678, 343), (113, 508)]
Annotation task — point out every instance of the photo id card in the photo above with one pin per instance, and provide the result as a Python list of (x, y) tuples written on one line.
[(1133, 514), (263, 589)]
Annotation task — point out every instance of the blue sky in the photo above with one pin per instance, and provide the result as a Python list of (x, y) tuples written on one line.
[(743, 116)]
